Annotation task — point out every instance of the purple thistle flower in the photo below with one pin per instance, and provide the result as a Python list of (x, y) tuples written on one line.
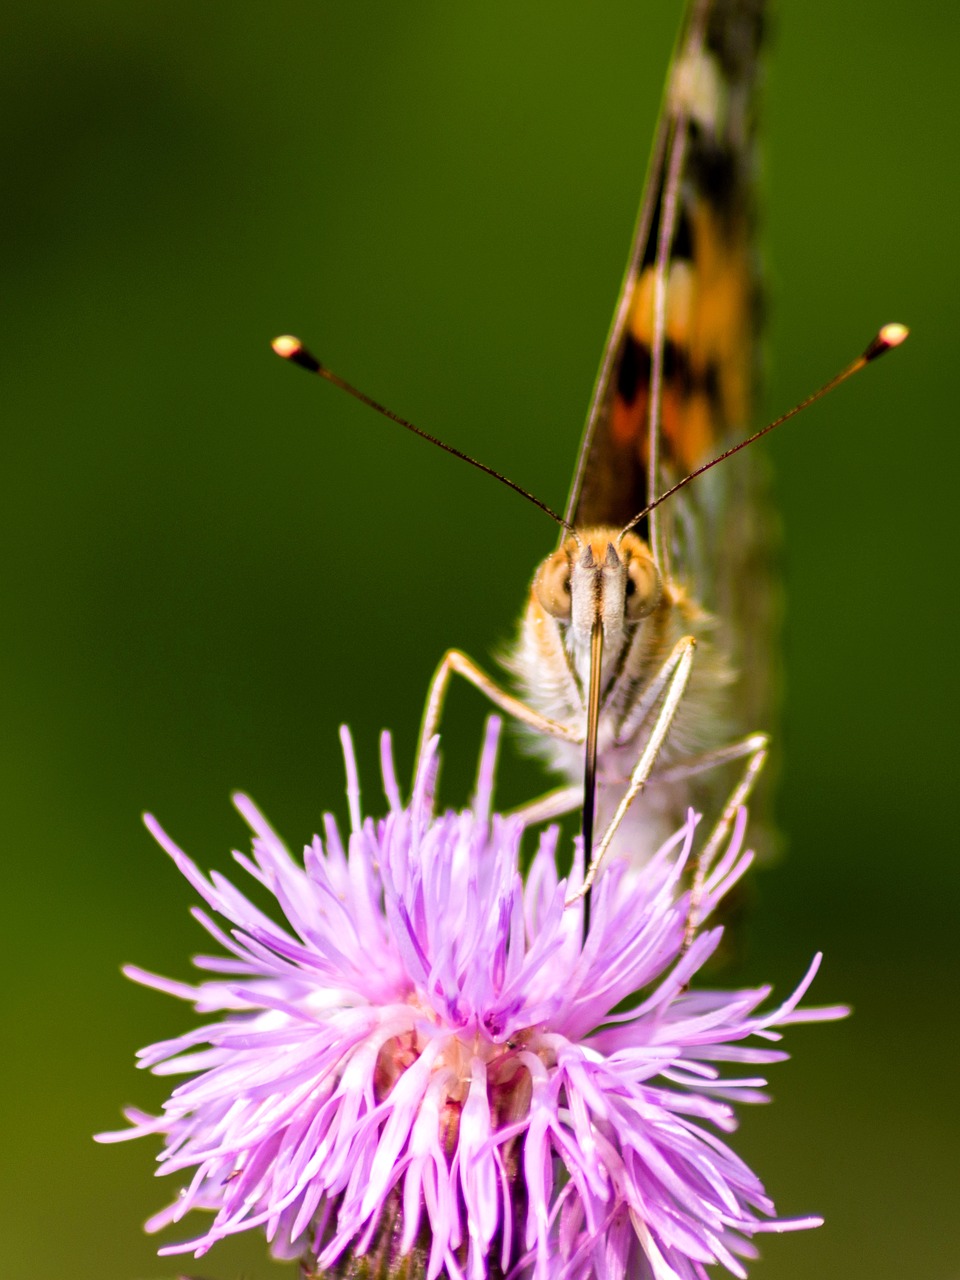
[(433, 1044)]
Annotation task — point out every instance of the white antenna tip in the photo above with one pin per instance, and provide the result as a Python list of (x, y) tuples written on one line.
[(286, 345), (893, 334), (890, 336)]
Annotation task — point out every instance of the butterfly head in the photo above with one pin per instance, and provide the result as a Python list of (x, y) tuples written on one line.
[(597, 575)]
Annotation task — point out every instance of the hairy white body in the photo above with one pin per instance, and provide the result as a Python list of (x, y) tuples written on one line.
[(551, 665)]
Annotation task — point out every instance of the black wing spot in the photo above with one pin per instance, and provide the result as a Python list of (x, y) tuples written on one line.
[(634, 370), (676, 367), (716, 173), (682, 246)]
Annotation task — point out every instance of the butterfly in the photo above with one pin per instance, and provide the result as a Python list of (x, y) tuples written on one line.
[(644, 657), (645, 643)]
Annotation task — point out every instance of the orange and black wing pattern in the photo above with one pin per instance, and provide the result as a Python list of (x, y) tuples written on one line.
[(678, 377)]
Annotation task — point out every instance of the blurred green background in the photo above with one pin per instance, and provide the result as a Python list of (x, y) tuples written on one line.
[(210, 561)]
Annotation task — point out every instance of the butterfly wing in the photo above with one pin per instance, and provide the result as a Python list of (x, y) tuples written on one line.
[(678, 377)]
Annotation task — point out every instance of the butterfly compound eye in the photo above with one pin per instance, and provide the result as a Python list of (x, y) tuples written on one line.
[(643, 588), (552, 585)]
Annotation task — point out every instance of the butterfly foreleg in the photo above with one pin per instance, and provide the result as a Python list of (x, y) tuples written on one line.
[(643, 708), (672, 679), (454, 661)]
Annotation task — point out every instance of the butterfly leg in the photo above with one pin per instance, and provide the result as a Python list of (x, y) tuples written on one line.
[(552, 805), (644, 706), (753, 744), (455, 661), (754, 747), (672, 678)]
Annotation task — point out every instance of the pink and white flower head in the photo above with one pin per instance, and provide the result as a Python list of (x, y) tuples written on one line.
[(430, 1058)]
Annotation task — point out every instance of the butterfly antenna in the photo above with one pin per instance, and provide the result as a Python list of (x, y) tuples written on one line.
[(292, 349), (890, 336)]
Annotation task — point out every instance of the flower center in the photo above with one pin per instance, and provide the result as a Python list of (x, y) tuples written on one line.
[(457, 1058)]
